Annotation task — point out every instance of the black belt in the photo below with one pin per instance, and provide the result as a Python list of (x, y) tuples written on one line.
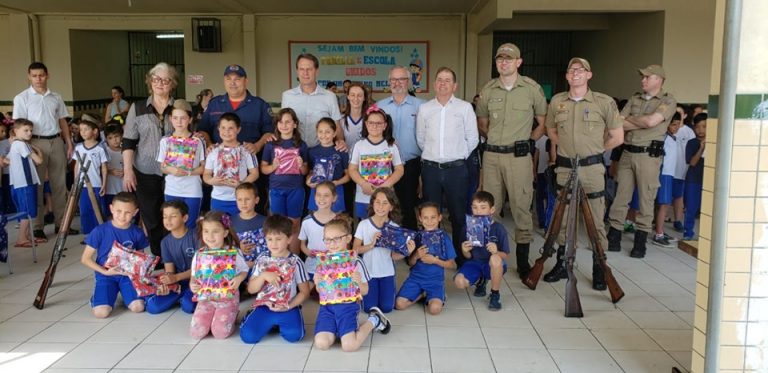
[(520, 148), (441, 166), (51, 137), (635, 148), (503, 149), (588, 161)]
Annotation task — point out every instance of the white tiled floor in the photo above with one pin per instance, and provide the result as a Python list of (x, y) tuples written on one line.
[(647, 331)]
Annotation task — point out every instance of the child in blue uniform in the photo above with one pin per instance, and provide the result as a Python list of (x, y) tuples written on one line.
[(108, 282), (341, 319), (487, 262), (428, 264), (177, 249), (257, 324)]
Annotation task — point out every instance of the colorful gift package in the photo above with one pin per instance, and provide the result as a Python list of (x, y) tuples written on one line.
[(214, 271), (335, 271), (180, 152)]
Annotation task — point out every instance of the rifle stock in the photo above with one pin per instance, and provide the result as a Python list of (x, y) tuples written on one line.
[(549, 240), (61, 239), (572, 301), (613, 286)]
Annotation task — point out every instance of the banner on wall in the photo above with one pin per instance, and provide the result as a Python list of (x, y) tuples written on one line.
[(365, 62)]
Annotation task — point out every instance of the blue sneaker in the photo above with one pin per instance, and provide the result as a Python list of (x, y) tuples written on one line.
[(678, 225), (494, 302)]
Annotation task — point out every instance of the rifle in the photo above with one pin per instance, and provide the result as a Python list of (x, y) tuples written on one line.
[(91, 194), (613, 286), (572, 301), (549, 239), (61, 237)]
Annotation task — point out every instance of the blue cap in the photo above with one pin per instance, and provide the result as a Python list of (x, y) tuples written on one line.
[(235, 69)]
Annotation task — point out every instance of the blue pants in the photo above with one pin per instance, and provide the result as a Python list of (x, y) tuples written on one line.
[(545, 201), (87, 213), (259, 322), (338, 206), (194, 208), (230, 207), (452, 183), (692, 202), (473, 169), (161, 303), (381, 293)]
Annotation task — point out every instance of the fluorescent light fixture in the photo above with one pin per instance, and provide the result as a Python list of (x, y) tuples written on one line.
[(170, 36)]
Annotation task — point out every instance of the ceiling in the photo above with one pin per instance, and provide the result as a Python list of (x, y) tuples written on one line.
[(236, 6)]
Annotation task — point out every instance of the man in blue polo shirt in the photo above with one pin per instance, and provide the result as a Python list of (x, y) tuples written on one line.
[(403, 108), (255, 117)]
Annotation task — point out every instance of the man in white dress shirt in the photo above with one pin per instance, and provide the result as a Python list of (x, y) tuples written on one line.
[(446, 131)]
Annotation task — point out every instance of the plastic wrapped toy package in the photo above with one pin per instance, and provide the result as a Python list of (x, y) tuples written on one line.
[(181, 152), (276, 296), (335, 271), (214, 271), (228, 162), (130, 262), (433, 240), (395, 238), (322, 171), (376, 168), (255, 237), (289, 161), (478, 229)]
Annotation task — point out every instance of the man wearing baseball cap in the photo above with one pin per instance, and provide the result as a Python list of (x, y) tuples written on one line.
[(256, 126), (646, 117), (506, 111), (583, 124)]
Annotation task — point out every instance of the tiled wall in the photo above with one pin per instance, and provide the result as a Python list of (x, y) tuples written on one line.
[(744, 323)]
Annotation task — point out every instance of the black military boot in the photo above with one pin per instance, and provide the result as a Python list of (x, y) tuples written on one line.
[(523, 267), (598, 276), (638, 250), (558, 272), (614, 239)]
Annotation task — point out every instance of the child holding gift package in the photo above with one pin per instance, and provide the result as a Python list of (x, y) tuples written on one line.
[(327, 164), (217, 271), (338, 318), (281, 285), (311, 233)]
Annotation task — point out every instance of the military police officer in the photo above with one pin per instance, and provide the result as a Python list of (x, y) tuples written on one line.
[(584, 124), (506, 112), (646, 117)]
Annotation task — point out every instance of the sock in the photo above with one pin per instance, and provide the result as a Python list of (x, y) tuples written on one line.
[(374, 320), (494, 291)]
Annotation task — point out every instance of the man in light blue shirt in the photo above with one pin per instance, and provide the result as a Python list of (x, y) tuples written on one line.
[(446, 131), (403, 108)]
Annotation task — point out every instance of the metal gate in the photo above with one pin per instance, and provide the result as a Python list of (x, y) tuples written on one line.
[(146, 50)]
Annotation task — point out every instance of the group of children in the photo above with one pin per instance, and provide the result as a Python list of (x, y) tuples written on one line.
[(233, 226)]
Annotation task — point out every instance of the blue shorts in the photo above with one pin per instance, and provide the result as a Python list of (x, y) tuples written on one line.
[(413, 287), (106, 288), (25, 199), (337, 207), (473, 270), (288, 202), (47, 187), (339, 319), (361, 210), (664, 194), (230, 207), (678, 188)]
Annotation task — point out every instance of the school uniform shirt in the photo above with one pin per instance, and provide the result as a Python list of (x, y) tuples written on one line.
[(312, 232), (179, 251), (97, 155), (375, 162), (498, 234), (353, 131), (300, 275), (5, 148), (695, 174), (102, 237), (683, 135), (285, 181), (114, 183), (319, 154), (213, 163), (669, 163), (378, 260), (443, 251), (183, 186), (241, 225), (22, 168)]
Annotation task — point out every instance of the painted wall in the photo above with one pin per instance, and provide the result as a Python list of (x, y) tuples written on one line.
[(445, 35), (99, 61)]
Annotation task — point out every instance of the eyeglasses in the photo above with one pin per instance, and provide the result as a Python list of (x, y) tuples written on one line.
[(159, 80), (398, 80), (504, 59), (334, 240), (372, 123), (577, 70)]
